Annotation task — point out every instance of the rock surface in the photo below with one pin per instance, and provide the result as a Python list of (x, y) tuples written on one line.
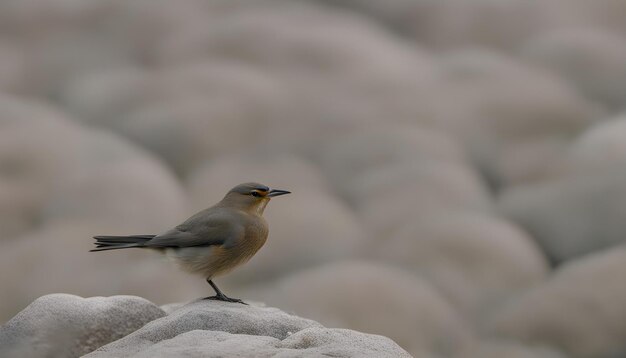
[(62, 325), (309, 342), (352, 294)]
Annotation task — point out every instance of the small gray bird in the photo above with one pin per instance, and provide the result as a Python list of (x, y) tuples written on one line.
[(213, 241)]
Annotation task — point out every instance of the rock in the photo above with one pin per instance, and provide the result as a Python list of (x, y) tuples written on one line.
[(446, 24), (309, 342), (600, 149), (12, 66), (334, 66), (579, 310), (62, 325), (191, 114), (476, 261), (34, 154), (368, 149), (114, 181), (579, 209), (394, 195), (213, 316), (57, 258), (271, 167), (510, 349), (505, 105), (593, 60), (373, 298)]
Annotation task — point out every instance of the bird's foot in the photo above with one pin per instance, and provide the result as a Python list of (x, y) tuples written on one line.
[(225, 299)]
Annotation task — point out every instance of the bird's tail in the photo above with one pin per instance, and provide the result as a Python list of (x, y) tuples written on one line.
[(120, 242)]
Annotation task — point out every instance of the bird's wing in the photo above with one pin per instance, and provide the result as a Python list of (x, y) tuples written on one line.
[(199, 231)]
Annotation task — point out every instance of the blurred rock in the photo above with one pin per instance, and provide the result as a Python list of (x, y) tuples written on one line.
[(376, 299), (53, 60), (54, 169), (208, 183), (476, 261), (592, 60), (446, 24), (510, 349), (600, 149), (371, 148), (339, 70), (143, 24), (326, 39), (56, 258), (34, 153), (184, 115), (580, 309), (396, 194), (62, 325), (12, 69), (599, 14), (580, 210), (570, 217), (116, 182), (33, 20), (504, 105)]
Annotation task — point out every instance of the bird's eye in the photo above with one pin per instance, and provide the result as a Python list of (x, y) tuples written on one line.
[(255, 194)]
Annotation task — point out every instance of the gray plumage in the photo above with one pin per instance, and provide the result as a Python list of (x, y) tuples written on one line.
[(213, 241)]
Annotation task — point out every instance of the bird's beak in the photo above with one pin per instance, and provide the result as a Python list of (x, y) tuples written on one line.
[(277, 192)]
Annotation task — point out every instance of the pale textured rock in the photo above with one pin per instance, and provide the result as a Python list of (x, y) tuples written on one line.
[(373, 298), (62, 325), (309, 342), (212, 316), (579, 310)]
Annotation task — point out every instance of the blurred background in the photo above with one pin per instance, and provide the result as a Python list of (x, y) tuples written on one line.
[(457, 166)]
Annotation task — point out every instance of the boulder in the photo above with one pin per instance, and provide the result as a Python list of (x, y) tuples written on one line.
[(309, 342), (593, 60), (373, 298), (579, 310), (579, 210), (62, 325), (476, 261)]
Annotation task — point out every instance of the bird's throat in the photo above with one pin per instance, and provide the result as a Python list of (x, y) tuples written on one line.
[(260, 207)]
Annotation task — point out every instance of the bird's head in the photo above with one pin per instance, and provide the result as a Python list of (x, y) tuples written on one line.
[(251, 197)]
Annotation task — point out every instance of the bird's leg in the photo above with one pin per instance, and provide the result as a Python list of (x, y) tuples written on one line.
[(220, 296)]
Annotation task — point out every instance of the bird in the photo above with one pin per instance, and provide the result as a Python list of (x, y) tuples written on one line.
[(213, 241)]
